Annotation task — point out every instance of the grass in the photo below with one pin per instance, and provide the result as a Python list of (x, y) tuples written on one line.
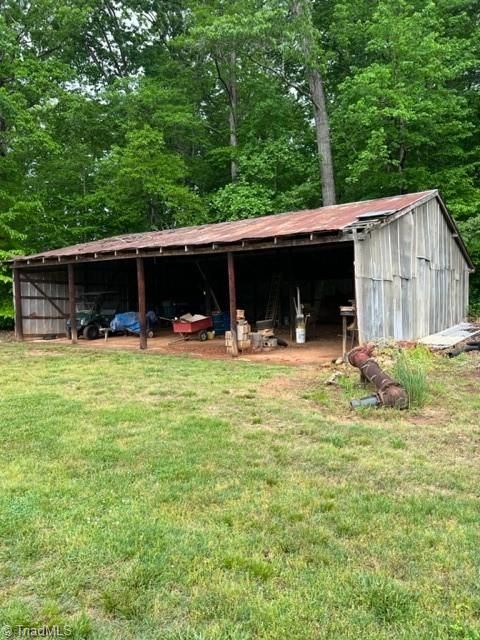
[(174, 498), (411, 369)]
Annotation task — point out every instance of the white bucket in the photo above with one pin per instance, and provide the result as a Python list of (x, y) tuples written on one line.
[(300, 335)]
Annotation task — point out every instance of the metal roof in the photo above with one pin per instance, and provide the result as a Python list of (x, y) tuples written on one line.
[(323, 220)]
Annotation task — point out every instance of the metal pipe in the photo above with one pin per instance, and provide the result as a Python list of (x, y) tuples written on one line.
[(368, 401), (389, 392)]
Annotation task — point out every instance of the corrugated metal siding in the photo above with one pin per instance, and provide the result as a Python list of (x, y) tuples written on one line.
[(411, 277), (40, 317)]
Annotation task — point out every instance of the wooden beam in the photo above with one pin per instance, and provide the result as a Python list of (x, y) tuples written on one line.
[(329, 239), (142, 305), (36, 317), (28, 336), (18, 305), (232, 293), (42, 298), (72, 311)]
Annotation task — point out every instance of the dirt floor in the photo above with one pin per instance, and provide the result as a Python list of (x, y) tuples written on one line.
[(321, 349)]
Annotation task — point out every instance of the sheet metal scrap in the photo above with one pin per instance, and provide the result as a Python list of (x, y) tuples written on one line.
[(389, 392), (453, 336)]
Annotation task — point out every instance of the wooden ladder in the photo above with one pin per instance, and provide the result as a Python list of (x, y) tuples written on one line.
[(273, 303)]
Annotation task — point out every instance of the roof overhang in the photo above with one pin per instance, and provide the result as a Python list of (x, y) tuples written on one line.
[(310, 227), (305, 240)]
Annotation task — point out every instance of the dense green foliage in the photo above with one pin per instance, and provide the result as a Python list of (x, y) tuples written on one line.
[(138, 114)]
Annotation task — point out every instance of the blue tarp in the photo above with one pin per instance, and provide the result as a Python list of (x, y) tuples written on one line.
[(126, 322), (129, 321)]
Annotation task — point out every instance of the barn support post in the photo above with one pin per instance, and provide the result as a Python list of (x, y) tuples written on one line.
[(72, 311), (291, 296), (142, 305), (17, 292), (232, 294)]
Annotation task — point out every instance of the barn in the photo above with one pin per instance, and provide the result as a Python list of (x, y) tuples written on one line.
[(401, 259)]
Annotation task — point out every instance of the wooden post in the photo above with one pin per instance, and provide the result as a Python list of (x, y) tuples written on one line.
[(72, 311), (232, 292), (291, 294), (17, 291), (142, 306)]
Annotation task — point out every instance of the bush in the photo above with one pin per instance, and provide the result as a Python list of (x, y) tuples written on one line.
[(6, 314), (410, 370), (474, 311)]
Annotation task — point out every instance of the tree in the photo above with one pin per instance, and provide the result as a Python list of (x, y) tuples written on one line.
[(217, 33), (142, 184), (244, 91), (30, 82), (305, 32), (398, 121), (285, 42)]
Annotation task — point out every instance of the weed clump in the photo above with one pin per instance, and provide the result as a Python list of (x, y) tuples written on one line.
[(410, 370)]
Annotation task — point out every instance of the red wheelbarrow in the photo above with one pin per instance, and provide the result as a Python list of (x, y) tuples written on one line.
[(188, 326)]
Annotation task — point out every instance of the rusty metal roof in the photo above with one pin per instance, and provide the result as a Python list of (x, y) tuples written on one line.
[(323, 220)]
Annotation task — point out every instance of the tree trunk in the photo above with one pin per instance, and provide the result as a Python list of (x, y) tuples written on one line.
[(322, 124), (322, 131), (230, 87), (232, 115), (3, 142)]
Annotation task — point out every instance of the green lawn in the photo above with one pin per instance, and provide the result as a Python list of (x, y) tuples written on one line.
[(145, 497)]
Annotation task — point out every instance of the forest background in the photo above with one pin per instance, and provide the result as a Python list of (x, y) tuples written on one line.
[(119, 116)]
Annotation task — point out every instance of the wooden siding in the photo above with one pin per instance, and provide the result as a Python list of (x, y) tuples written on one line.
[(47, 314), (411, 278), (42, 315)]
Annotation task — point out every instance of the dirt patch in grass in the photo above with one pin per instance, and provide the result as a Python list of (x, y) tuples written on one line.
[(428, 416), (293, 382)]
